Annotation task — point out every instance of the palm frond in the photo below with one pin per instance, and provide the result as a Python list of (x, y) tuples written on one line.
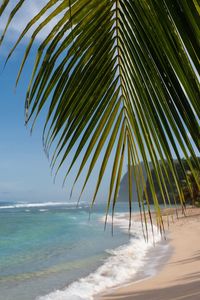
[(117, 75)]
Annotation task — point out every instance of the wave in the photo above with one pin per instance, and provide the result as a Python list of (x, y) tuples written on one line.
[(41, 204), (121, 266)]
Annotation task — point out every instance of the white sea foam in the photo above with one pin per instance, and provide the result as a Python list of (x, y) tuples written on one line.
[(121, 266), (42, 204)]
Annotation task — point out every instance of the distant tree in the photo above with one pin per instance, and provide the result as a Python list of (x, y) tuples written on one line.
[(189, 182), (194, 181)]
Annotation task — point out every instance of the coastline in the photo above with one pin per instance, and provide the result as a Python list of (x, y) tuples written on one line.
[(121, 265), (179, 276)]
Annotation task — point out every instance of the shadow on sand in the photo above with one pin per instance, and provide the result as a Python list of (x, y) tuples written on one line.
[(189, 291)]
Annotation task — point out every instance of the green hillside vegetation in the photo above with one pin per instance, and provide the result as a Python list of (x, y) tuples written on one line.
[(188, 183), (191, 192)]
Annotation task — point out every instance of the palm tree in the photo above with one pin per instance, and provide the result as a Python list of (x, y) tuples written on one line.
[(120, 79)]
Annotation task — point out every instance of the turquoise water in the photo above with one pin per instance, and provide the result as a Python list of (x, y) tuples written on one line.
[(46, 247)]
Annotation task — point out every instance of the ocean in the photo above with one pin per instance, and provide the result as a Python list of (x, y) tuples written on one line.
[(54, 251)]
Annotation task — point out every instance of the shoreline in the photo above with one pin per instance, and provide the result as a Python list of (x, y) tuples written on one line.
[(178, 277)]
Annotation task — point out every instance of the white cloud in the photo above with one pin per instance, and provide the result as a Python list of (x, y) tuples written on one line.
[(25, 14)]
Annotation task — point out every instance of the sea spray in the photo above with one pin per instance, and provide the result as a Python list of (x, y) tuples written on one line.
[(40, 204), (121, 266)]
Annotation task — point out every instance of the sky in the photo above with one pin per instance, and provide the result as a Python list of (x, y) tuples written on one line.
[(25, 174)]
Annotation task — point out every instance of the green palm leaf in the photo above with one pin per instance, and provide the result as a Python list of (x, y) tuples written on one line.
[(117, 76)]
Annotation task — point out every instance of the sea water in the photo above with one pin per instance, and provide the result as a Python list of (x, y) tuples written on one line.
[(54, 251)]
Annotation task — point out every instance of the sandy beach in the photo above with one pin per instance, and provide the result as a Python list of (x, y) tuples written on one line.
[(179, 277)]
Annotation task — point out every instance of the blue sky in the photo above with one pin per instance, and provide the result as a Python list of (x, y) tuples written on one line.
[(24, 169)]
